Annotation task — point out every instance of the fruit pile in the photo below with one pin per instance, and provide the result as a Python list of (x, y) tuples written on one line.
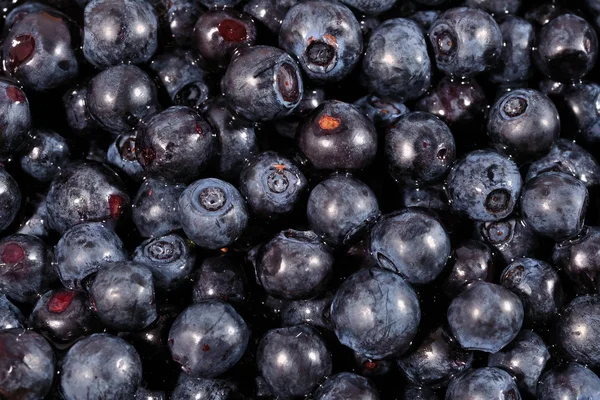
[(283, 199)]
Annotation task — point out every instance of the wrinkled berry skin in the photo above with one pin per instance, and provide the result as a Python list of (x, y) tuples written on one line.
[(483, 383), (576, 331), (85, 192), (510, 237), (524, 124), (419, 148), (567, 48), (484, 185), (15, 120), (213, 213), (202, 388), (382, 113), (538, 286), (26, 366), (262, 83), (294, 265), (324, 36), (419, 231), (569, 381), (154, 210), (370, 7), (26, 267), (118, 98), (220, 278), (336, 135), (121, 155), (580, 106), (341, 208), (175, 144), (436, 360), (347, 385), (515, 62), (293, 361), (83, 250), (388, 72), (466, 41), (579, 259), (208, 338), (471, 261), (182, 75), (314, 312), (10, 316), (554, 205), (10, 199), (100, 366), (485, 317), (525, 358), (392, 319), (47, 154), (272, 185), (119, 31)]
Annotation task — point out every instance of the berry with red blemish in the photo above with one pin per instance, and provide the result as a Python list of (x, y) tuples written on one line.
[(15, 120)]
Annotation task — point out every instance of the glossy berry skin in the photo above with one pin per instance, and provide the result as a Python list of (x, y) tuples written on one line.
[(27, 365), (10, 199), (119, 31), (202, 388), (262, 83), (118, 98), (347, 385), (392, 319), (496, 7), (578, 258), (180, 20), (48, 152), (576, 331), (100, 366), (10, 316), (436, 360), (15, 120), (314, 312), (485, 317), (579, 106), (341, 208), (370, 7), (170, 258), (220, 278), (382, 113), (388, 72), (525, 358), (219, 32), (154, 210), (565, 195), (484, 383), (515, 62), (213, 213), (471, 261), (21, 11), (466, 41), (78, 117), (324, 36), (121, 156), (419, 231), (567, 48), (293, 361), (208, 338), (26, 267), (39, 51), (269, 12), (272, 185), (419, 148), (62, 316), (336, 135), (569, 381), (294, 265), (175, 144), (432, 197), (538, 286), (512, 238), (85, 192), (484, 185)]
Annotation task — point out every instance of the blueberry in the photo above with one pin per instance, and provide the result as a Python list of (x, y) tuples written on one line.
[(375, 313), (496, 7), (412, 243), (580, 107), (170, 258), (47, 154), (272, 185), (341, 208), (485, 317), (213, 213), (569, 381), (515, 62), (347, 385), (471, 261), (567, 48), (121, 156), (382, 113), (484, 185), (578, 258), (220, 278), (432, 197), (262, 83), (78, 117), (324, 36), (314, 312), (312, 98), (525, 358), (116, 31), (370, 7), (436, 360), (85, 192), (483, 383), (419, 148), (181, 18), (15, 120), (10, 316), (511, 238), (118, 98), (154, 209), (466, 41), (208, 338), (293, 360), (388, 72), (10, 199), (554, 205), (372, 368), (269, 12), (21, 11), (27, 365), (336, 135), (425, 18), (100, 366), (576, 331), (202, 388)]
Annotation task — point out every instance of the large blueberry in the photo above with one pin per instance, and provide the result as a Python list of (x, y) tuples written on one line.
[(569, 381), (515, 62), (471, 261), (15, 120), (576, 330), (511, 238)]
